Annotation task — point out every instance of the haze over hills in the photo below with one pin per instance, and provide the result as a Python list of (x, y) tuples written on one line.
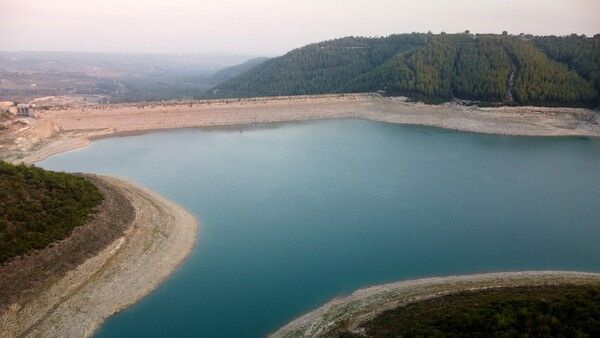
[(110, 77), (496, 69), (233, 71), (484, 68)]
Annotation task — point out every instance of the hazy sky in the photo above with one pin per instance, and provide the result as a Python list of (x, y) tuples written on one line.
[(267, 27)]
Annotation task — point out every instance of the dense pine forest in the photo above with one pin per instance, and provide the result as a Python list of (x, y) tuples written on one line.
[(38, 207), (488, 68)]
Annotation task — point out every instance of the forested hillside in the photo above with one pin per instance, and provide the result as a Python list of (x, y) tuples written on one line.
[(38, 207), (497, 69), (577, 52)]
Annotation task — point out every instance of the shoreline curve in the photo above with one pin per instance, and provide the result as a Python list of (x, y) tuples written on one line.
[(64, 129), (366, 303), (158, 240), (60, 129)]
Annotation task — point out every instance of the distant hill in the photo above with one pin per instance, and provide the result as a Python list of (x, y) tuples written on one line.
[(496, 69), (112, 77), (233, 71)]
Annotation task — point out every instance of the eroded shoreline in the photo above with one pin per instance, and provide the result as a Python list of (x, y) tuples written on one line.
[(154, 244), (60, 129), (364, 304), (89, 294)]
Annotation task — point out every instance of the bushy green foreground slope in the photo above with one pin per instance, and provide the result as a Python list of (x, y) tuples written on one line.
[(435, 68), (39, 206), (539, 311)]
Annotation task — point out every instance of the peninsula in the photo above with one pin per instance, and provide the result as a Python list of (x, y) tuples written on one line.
[(129, 244), (348, 315)]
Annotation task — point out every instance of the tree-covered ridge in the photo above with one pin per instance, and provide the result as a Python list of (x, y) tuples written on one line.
[(481, 70), (577, 52), (38, 207), (425, 72), (436, 68), (326, 67), (543, 81)]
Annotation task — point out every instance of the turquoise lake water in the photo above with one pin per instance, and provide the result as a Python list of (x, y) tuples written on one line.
[(295, 214)]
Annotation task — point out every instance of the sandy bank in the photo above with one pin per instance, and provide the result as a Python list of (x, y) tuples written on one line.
[(64, 128), (365, 304), (157, 240)]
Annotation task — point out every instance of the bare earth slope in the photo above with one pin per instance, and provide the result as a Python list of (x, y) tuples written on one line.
[(63, 128), (154, 244), (365, 304)]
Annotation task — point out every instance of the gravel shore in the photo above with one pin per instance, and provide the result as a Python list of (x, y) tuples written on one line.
[(162, 234), (60, 129), (365, 304), (157, 240)]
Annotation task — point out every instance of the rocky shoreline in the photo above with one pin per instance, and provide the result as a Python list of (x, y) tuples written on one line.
[(59, 129), (156, 240), (161, 234), (348, 313)]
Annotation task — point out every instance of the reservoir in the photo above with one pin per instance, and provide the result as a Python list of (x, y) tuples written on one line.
[(292, 215)]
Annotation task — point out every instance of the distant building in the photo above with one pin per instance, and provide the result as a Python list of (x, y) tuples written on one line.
[(26, 110), (20, 110)]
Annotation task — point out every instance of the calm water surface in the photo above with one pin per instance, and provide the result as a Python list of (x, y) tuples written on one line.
[(295, 214)]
